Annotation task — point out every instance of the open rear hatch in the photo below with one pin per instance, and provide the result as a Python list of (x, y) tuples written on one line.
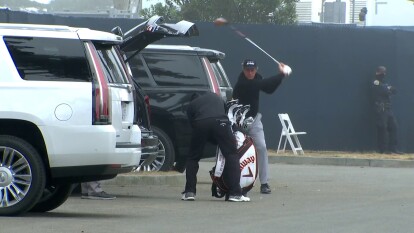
[(153, 30), (136, 40)]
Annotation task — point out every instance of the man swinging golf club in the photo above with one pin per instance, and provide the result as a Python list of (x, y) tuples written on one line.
[(247, 91)]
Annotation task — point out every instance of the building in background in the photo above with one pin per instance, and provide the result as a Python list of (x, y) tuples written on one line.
[(129, 6), (380, 12), (114, 9), (120, 9), (390, 13)]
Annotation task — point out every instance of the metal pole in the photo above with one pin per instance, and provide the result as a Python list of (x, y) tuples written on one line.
[(353, 10), (322, 16)]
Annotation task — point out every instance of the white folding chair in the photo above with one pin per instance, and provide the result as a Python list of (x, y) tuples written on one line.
[(289, 134)]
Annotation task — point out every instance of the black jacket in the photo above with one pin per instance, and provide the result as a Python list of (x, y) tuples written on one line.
[(248, 91), (208, 105), (382, 92)]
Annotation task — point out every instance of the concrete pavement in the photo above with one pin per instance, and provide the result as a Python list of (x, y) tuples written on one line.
[(175, 178), (304, 199), (335, 161)]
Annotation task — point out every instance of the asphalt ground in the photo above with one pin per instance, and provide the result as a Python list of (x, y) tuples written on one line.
[(325, 158), (304, 199)]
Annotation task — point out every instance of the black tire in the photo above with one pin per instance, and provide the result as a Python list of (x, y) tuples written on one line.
[(53, 197), (166, 153), (21, 168)]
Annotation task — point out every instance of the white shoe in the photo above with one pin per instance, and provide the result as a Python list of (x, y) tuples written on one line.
[(239, 198), (189, 196)]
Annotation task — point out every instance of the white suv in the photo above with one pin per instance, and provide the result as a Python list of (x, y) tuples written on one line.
[(66, 114)]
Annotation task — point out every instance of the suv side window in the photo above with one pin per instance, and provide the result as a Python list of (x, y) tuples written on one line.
[(138, 71), (220, 75), (49, 59), (175, 70)]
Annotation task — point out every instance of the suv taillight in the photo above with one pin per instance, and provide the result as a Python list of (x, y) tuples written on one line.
[(211, 76), (101, 102)]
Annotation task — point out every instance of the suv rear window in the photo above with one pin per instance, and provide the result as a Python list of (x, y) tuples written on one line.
[(49, 59), (175, 70), (111, 63)]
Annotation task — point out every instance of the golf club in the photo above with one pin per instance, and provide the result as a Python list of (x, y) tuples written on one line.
[(246, 108), (223, 21)]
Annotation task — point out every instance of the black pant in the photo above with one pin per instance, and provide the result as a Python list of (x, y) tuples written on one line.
[(218, 132), (386, 131)]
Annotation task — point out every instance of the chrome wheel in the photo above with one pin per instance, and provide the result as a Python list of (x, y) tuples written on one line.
[(166, 154), (159, 160), (22, 176), (15, 177)]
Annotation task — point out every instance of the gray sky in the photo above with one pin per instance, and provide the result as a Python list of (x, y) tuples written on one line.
[(42, 1)]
